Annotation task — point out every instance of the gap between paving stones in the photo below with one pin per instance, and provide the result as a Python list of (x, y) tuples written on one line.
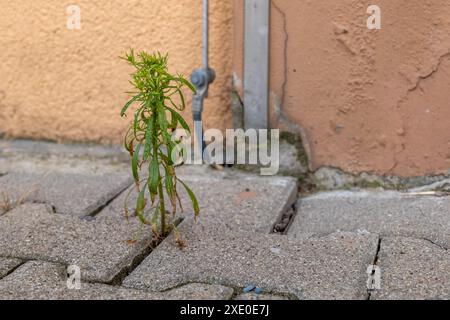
[(238, 292), (387, 242), (136, 261), (124, 272), (31, 232), (388, 214), (118, 280), (283, 223), (99, 209), (328, 267), (217, 177), (240, 202), (383, 213), (72, 194), (125, 269), (375, 263), (44, 280), (8, 266), (413, 269)]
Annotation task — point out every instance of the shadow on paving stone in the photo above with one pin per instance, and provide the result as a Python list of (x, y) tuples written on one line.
[(413, 269), (72, 194), (331, 267), (238, 201), (386, 213), (103, 249), (38, 280)]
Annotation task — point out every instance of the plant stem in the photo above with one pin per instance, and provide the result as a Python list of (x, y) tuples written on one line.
[(162, 205), (162, 209)]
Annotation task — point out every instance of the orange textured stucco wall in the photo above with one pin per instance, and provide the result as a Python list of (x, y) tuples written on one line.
[(375, 101), (62, 84), (364, 100)]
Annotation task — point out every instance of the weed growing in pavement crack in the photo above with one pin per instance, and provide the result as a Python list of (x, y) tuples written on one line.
[(159, 99)]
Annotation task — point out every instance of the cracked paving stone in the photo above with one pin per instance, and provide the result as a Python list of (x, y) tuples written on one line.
[(102, 248), (37, 280), (7, 265), (413, 269), (386, 213), (239, 201), (330, 267), (74, 194)]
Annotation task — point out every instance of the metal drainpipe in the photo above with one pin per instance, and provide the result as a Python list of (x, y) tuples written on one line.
[(202, 78), (256, 64)]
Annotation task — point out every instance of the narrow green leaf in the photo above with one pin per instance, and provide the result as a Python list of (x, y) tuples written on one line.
[(140, 204), (180, 119), (193, 198), (169, 185), (129, 103), (162, 119), (148, 139), (128, 144), (154, 175), (173, 121), (136, 122), (170, 188), (135, 163), (186, 83), (183, 103)]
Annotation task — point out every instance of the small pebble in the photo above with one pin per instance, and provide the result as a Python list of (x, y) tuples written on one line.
[(275, 250), (249, 288), (88, 218)]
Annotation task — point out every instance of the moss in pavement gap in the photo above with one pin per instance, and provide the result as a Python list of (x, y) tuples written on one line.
[(297, 142)]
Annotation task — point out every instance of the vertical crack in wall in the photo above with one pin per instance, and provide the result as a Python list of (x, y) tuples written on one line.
[(278, 103), (237, 107)]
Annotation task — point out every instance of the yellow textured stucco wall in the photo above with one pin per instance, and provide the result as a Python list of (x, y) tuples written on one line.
[(61, 84)]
